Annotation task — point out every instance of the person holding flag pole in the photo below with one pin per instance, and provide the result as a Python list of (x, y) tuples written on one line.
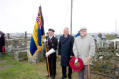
[(36, 42), (51, 45)]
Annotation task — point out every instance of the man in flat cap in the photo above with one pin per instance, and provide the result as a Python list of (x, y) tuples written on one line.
[(51, 54), (84, 48)]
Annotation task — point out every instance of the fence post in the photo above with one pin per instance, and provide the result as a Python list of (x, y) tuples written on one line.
[(8, 35), (25, 34)]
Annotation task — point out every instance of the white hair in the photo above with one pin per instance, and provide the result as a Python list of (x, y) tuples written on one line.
[(66, 28)]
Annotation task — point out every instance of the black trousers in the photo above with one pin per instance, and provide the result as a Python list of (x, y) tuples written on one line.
[(52, 65), (64, 71)]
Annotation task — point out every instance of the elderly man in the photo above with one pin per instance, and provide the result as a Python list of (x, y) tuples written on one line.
[(66, 51), (84, 48)]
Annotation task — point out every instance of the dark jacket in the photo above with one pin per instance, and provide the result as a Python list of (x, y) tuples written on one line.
[(2, 41), (65, 49), (52, 43)]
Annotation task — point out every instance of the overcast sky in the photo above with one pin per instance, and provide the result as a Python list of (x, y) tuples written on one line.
[(96, 15)]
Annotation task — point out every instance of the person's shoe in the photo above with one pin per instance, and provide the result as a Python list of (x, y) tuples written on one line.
[(69, 78), (47, 75), (62, 78), (53, 77)]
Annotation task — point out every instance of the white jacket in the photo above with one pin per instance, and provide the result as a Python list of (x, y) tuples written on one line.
[(84, 47)]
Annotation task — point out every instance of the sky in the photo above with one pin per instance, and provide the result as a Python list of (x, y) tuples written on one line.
[(97, 15)]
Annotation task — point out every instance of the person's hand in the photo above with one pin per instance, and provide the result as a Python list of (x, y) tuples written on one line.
[(71, 56), (59, 56), (89, 58)]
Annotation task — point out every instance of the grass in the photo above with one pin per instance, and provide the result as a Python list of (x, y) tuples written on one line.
[(25, 70), (20, 70)]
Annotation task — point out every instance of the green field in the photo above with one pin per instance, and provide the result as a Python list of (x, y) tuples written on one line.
[(11, 69)]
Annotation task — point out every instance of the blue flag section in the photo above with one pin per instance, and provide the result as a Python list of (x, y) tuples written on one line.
[(38, 33), (78, 34)]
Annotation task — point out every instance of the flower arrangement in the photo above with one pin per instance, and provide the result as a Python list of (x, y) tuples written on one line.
[(76, 64)]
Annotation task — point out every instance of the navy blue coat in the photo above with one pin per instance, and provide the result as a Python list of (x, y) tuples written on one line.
[(65, 49)]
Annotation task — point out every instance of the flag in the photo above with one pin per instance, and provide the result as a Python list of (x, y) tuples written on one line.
[(38, 33), (78, 34)]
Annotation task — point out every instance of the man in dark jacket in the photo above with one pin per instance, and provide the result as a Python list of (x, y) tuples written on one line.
[(66, 52), (2, 42), (52, 44)]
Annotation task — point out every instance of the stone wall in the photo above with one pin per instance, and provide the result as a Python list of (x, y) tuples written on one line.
[(106, 59), (18, 49)]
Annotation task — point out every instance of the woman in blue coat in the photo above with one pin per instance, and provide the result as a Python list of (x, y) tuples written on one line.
[(66, 52)]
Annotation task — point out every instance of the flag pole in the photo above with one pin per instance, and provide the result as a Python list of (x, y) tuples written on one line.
[(46, 51), (71, 17), (47, 62)]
